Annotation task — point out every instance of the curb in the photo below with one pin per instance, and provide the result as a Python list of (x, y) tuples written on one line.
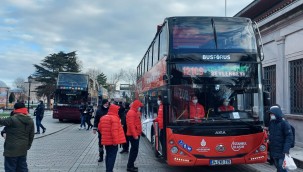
[(44, 135)]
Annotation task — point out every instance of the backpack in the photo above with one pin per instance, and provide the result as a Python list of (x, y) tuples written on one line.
[(293, 133)]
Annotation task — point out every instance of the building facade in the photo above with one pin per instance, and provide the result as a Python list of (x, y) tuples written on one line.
[(281, 26)]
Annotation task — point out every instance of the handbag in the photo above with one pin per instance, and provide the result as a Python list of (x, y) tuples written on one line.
[(289, 163)]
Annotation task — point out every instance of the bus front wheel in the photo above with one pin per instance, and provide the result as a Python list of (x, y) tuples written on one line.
[(60, 120)]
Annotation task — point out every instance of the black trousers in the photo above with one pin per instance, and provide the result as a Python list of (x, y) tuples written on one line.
[(134, 149), (88, 122), (13, 164), (125, 146), (101, 149), (110, 158)]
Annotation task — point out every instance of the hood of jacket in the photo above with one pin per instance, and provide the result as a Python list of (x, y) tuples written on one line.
[(24, 119), (136, 104), (276, 110), (113, 109)]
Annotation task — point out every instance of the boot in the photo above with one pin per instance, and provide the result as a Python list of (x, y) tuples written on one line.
[(100, 157)]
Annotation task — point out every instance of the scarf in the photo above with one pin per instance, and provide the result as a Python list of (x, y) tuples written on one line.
[(21, 110)]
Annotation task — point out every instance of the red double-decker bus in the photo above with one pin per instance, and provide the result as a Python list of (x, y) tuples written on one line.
[(214, 59), (73, 89)]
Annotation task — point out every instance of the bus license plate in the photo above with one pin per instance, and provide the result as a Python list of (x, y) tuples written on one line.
[(220, 162)]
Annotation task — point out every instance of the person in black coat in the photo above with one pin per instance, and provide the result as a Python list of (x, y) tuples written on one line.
[(280, 137), (88, 115), (39, 112), (122, 114), (101, 111), (83, 112)]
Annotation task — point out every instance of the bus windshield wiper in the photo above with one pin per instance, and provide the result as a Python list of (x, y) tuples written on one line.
[(246, 123), (215, 34)]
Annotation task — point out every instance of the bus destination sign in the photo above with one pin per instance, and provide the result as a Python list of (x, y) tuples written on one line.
[(215, 70)]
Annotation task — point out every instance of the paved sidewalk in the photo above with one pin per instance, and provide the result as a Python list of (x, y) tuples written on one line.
[(297, 154), (51, 125)]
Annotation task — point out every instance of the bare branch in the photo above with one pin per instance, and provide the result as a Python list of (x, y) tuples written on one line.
[(93, 73), (19, 83)]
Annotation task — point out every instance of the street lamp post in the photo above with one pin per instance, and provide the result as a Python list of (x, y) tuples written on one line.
[(29, 91)]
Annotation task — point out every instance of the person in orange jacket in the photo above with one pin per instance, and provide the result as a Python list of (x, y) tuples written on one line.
[(196, 110), (226, 106), (159, 119), (112, 134), (134, 130)]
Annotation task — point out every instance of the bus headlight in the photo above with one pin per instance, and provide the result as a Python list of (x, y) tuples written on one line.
[(262, 148), (174, 150)]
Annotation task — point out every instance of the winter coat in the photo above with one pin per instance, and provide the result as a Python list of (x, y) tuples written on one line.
[(19, 134), (195, 110), (99, 113), (122, 115), (111, 128), (226, 108), (39, 111), (133, 120), (280, 134), (90, 110), (159, 118), (83, 109)]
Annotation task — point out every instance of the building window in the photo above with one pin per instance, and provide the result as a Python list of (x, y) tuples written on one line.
[(270, 82), (296, 86)]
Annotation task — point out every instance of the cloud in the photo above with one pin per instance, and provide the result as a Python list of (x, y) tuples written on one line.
[(107, 35)]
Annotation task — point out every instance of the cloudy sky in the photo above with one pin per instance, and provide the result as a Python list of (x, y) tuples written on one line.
[(107, 35)]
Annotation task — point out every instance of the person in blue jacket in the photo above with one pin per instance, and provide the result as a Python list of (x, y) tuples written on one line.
[(280, 137)]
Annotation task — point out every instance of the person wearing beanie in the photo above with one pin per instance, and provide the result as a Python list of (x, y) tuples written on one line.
[(112, 135), (280, 137), (101, 111), (19, 130), (134, 130)]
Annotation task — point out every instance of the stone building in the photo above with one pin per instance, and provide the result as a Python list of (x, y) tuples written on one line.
[(281, 26), (4, 89)]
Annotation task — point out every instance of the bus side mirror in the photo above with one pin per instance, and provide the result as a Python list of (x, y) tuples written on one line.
[(266, 98), (165, 78)]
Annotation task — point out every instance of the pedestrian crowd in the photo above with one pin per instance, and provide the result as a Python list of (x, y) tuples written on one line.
[(118, 124)]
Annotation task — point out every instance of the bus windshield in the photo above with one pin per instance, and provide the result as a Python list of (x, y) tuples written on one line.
[(226, 92), (69, 96), (74, 81), (233, 34)]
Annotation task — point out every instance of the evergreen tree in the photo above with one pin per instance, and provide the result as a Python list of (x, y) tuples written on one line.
[(11, 98), (48, 70), (101, 79)]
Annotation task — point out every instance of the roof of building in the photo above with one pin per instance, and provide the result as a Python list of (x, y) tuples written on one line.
[(2, 84), (260, 9)]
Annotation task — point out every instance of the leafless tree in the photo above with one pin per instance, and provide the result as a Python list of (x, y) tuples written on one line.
[(19, 83), (113, 81), (130, 77), (93, 73)]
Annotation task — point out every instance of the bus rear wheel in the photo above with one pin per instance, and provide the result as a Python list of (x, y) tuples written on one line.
[(60, 120)]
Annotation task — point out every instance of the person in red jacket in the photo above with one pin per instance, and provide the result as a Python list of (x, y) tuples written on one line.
[(226, 106), (112, 134), (134, 130), (159, 119), (196, 110)]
